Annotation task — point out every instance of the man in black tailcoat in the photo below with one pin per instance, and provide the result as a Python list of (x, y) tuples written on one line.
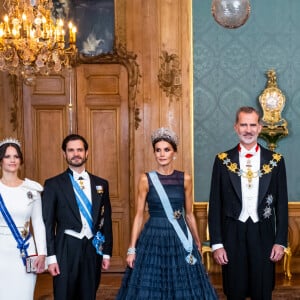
[(76, 207), (248, 212)]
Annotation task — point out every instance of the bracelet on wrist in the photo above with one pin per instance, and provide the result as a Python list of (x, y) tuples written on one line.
[(131, 250)]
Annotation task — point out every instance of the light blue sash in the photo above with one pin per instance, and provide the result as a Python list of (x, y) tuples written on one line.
[(21, 244), (85, 206), (186, 242)]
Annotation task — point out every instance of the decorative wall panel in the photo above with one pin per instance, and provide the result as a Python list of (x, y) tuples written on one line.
[(229, 71)]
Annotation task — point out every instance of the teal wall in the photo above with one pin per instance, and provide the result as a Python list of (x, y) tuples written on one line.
[(229, 71)]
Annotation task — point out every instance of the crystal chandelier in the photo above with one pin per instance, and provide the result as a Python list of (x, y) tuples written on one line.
[(231, 13), (32, 43)]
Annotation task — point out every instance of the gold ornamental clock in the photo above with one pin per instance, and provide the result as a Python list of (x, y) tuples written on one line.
[(272, 102)]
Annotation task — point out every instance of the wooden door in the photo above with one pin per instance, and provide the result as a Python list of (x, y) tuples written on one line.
[(92, 101), (46, 123), (102, 93)]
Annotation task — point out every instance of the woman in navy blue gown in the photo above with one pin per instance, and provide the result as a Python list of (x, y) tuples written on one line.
[(163, 257)]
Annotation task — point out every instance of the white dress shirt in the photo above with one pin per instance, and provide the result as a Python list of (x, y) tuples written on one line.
[(249, 189)]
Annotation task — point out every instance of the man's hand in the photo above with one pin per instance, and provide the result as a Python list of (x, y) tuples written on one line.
[(220, 256), (277, 253), (105, 263), (53, 269)]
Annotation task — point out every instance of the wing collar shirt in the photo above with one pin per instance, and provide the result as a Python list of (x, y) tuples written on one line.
[(249, 159)]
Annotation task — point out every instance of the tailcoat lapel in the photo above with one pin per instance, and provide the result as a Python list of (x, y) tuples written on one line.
[(264, 181), (235, 179), (96, 199), (67, 188)]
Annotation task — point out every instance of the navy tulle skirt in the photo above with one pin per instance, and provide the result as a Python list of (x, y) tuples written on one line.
[(161, 271)]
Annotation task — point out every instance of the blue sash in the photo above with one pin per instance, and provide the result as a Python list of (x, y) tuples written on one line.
[(21, 244), (186, 242), (85, 206)]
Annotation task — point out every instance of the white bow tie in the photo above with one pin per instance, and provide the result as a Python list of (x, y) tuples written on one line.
[(82, 176)]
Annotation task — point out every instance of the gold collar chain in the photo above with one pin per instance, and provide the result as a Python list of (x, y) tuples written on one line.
[(266, 168)]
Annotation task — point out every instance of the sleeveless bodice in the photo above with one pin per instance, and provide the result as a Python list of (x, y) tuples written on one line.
[(174, 187)]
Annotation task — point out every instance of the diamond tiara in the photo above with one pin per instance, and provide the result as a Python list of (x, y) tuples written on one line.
[(10, 141), (164, 133)]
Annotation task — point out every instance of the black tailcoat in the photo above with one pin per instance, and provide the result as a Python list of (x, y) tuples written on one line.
[(61, 212), (226, 196), (225, 201)]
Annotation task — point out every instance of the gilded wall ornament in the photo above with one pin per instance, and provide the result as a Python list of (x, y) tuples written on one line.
[(169, 75), (272, 102)]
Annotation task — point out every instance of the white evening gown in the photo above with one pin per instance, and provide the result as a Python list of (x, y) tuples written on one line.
[(23, 203)]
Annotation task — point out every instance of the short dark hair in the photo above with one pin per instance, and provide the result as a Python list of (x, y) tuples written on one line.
[(74, 137), (247, 110), (5, 146)]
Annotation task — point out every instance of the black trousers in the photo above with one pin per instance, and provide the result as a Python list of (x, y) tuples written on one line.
[(80, 270), (249, 272)]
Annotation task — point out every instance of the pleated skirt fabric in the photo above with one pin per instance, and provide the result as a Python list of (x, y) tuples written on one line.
[(161, 271)]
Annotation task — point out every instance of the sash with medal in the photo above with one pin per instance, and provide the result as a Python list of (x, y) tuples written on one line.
[(22, 244), (85, 208), (187, 242)]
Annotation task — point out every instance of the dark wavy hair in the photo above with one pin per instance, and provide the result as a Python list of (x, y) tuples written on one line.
[(5, 146)]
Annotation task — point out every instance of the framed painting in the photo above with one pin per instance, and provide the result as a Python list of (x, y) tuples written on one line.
[(95, 22)]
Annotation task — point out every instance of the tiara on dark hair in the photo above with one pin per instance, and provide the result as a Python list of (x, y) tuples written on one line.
[(10, 141), (164, 133)]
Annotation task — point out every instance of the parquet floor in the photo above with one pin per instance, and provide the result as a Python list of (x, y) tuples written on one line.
[(285, 289)]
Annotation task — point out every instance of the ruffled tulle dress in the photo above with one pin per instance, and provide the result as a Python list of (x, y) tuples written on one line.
[(160, 270)]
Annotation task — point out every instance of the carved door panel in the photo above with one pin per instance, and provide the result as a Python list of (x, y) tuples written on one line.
[(92, 101), (102, 93), (46, 123)]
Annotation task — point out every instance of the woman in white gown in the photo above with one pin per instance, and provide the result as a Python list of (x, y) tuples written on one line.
[(23, 202)]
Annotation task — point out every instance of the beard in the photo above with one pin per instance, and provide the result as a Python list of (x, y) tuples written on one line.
[(248, 138), (76, 161)]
